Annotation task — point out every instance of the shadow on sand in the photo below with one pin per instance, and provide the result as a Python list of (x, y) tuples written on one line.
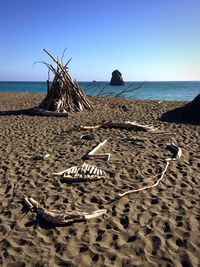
[(178, 116), (47, 225), (189, 113)]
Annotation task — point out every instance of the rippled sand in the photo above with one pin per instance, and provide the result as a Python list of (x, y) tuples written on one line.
[(157, 227)]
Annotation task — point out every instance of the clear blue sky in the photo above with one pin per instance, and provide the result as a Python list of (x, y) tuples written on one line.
[(144, 39)]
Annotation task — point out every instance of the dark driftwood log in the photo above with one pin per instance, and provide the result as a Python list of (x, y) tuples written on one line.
[(42, 112)]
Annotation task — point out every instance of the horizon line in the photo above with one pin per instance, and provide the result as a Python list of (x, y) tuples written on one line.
[(97, 81)]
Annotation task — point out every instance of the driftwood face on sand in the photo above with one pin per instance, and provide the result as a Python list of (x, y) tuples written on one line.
[(83, 173), (64, 217), (61, 217)]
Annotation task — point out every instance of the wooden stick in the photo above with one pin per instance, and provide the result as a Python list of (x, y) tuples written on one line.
[(90, 127), (177, 156), (146, 187), (93, 151), (122, 125)]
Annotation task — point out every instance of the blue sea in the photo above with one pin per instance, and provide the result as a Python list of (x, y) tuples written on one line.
[(138, 90)]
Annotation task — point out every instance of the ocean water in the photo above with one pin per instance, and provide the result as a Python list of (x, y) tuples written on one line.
[(139, 90)]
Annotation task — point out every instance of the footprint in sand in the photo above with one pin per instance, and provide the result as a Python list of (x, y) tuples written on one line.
[(95, 258), (167, 228), (126, 208), (154, 200), (125, 222), (155, 244), (100, 235), (132, 239)]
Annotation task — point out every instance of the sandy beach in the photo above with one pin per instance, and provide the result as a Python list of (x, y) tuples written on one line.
[(156, 227)]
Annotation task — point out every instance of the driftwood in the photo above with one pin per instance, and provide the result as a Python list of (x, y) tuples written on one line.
[(177, 155), (83, 173), (122, 125), (43, 112), (40, 157), (177, 152), (65, 95), (92, 153), (90, 127), (36, 112), (61, 217)]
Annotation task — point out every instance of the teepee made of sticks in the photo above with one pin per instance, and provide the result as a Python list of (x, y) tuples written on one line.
[(64, 94)]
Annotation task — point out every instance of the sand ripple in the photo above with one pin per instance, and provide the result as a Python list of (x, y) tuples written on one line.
[(158, 227)]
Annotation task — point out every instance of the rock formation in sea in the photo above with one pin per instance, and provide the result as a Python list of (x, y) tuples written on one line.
[(116, 78)]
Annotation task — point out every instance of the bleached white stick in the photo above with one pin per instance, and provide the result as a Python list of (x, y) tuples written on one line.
[(178, 151), (146, 187), (95, 214), (177, 156), (93, 151), (60, 173)]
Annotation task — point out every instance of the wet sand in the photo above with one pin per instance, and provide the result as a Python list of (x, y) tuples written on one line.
[(157, 227)]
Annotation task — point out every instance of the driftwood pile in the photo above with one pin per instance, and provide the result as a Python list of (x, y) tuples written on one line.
[(64, 94)]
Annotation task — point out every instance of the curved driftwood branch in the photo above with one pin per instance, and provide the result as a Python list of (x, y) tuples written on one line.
[(43, 112), (63, 54), (178, 153), (49, 66), (146, 187)]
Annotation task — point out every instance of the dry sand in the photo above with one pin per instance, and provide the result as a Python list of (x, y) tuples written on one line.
[(157, 227)]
